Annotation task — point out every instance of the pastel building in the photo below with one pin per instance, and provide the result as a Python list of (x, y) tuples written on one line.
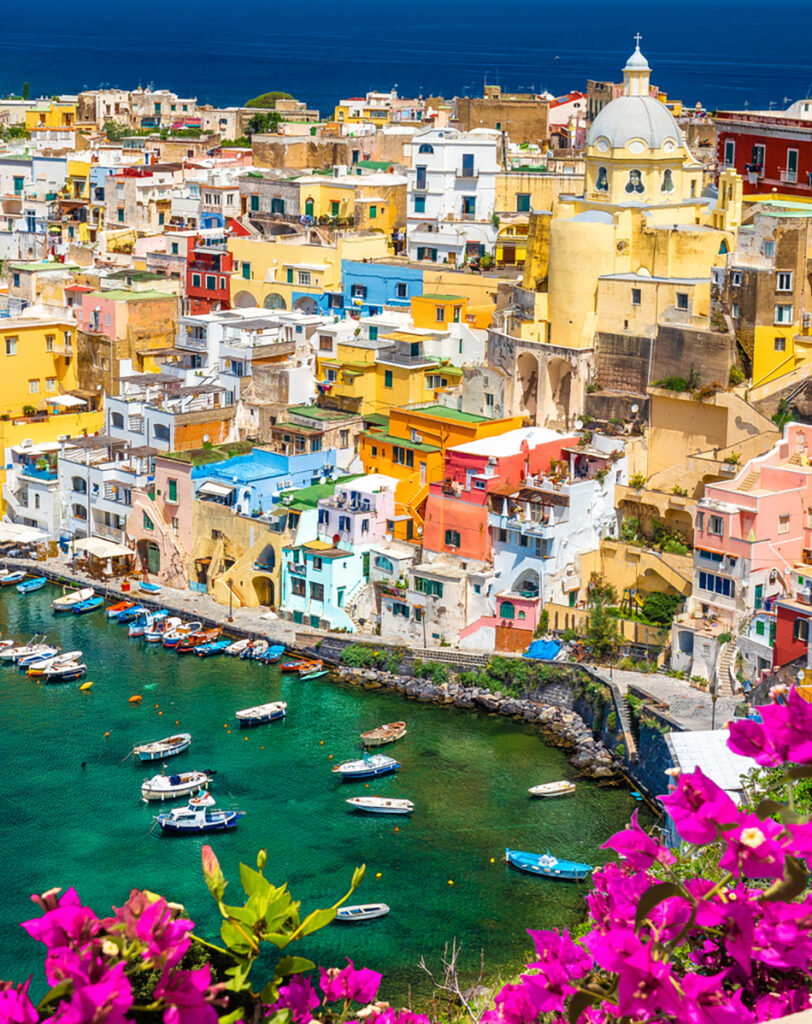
[(369, 287)]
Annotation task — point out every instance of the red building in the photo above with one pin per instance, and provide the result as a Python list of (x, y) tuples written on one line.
[(209, 266), (771, 150)]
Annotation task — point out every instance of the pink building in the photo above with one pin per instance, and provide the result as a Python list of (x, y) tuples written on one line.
[(161, 525), (360, 512)]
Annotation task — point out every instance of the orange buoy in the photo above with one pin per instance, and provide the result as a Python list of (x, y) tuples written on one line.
[(135, 699), (157, 706), (330, 758), (225, 725), (246, 739), (321, 743), (106, 735), (229, 732), (160, 712), (366, 784), (397, 828), (177, 722)]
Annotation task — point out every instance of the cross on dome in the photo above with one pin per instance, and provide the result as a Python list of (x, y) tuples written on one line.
[(637, 39)]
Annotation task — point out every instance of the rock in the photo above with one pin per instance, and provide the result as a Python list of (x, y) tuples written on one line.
[(463, 701), (602, 771), (486, 703), (510, 707)]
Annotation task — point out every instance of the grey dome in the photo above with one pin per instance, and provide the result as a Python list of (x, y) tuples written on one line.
[(635, 117), (637, 62)]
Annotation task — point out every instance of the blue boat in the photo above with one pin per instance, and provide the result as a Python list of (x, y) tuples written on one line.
[(215, 647), (546, 866), (145, 622), (199, 816), (27, 586), (273, 654), (131, 614), (90, 605), (150, 588), (370, 766)]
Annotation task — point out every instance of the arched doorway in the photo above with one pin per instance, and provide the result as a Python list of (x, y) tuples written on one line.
[(309, 206), (150, 556), (306, 304), (528, 370), (559, 380), (274, 301), (263, 588), (244, 300)]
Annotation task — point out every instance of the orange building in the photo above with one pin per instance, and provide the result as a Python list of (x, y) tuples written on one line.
[(433, 312)]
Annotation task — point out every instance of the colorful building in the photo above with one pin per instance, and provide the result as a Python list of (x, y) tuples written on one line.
[(39, 356)]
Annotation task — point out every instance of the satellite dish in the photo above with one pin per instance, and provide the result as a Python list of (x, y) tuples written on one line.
[(579, 424), (635, 408), (336, 538)]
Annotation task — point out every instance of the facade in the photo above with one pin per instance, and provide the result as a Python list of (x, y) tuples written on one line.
[(770, 149)]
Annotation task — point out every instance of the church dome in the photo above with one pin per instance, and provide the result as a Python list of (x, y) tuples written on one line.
[(630, 118)]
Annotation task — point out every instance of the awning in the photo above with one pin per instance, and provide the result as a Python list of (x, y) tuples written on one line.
[(101, 548), (16, 533), (215, 489), (67, 401)]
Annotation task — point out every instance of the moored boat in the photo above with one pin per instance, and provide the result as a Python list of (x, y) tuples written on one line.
[(150, 588), (131, 614), (239, 646), (302, 668), (262, 713), (210, 649), (381, 805), (63, 672), (30, 585), (192, 640), (550, 789), (171, 787), (42, 652), (68, 601), (272, 654), (384, 734), (34, 646), (255, 650), (37, 668), (546, 866), (159, 749), (315, 674), (115, 610), (160, 628), (90, 605), (362, 912), (145, 622), (200, 815), (367, 767), (172, 638), (12, 579)]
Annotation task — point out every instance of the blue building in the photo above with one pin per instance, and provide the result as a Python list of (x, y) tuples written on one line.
[(368, 287)]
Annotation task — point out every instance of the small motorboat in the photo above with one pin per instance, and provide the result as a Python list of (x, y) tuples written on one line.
[(368, 767), (37, 668), (550, 789), (200, 815), (303, 668), (144, 623), (262, 713), (12, 579), (172, 638), (43, 652), (193, 640), (170, 787), (150, 588), (362, 912), (160, 628), (131, 614), (272, 654), (115, 610), (384, 734), (90, 605), (34, 646), (381, 805), (167, 747), (63, 672), (30, 585), (255, 650), (67, 602), (547, 866), (239, 646), (210, 649)]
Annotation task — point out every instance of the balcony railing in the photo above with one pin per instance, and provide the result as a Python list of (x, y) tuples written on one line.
[(40, 474), (296, 569), (110, 532), (787, 176), (392, 354)]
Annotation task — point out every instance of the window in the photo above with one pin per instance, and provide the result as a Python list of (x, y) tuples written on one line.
[(335, 208), (637, 296), (419, 204), (402, 456), (784, 314), (700, 521), (117, 420), (11, 346), (317, 591), (373, 211), (49, 342), (277, 205), (173, 490), (433, 588), (452, 538), (373, 333), (174, 248), (480, 485), (467, 166), (161, 218), (736, 278), (387, 378), (211, 282), (254, 204), (439, 314), (469, 206), (769, 249), (401, 290), (330, 374), (148, 523), (303, 277), (374, 451), (716, 584), (716, 526), (325, 343), (801, 630), (358, 291), (384, 564), (710, 556), (730, 152), (33, 387), (506, 610), (635, 186), (682, 300), (418, 615), (760, 627), (160, 432), (489, 401), (780, 344), (734, 311), (784, 282), (522, 202), (317, 563), (400, 609), (315, 444), (668, 181), (602, 181), (343, 439), (783, 524), (15, 277), (343, 524), (50, 383), (246, 270), (791, 172), (120, 214), (298, 587), (426, 148)]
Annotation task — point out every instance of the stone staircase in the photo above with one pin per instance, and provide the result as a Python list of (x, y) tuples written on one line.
[(725, 663), (625, 719), (351, 603)]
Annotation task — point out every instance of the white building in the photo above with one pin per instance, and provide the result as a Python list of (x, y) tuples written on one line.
[(31, 489)]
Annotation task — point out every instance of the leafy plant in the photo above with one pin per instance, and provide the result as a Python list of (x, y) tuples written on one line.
[(638, 481), (736, 376)]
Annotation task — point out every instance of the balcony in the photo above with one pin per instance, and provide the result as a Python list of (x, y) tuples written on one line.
[(788, 176), (50, 473), (465, 175), (296, 569), (110, 532), (393, 354)]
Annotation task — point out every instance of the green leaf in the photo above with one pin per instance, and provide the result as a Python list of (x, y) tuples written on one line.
[(792, 884), (239, 976), (253, 882), (315, 920), (57, 992), (652, 897), (801, 771), (768, 808), (292, 965), (578, 1003), (357, 878), (246, 915), (231, 1018), (234, 939)]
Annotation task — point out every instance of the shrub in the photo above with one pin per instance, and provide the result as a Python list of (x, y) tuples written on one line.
[(630, 529), (660, 608), (736, 376), (436, 671), (637, 480), (672, 546), (725, 638), (611, 721), (361, 656), (620, 749)]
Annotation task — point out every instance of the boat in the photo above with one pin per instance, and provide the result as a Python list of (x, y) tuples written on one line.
[(168, 747), (368, 767), (238, 646), (272, 654), (170, 787), (200, 815), (172, 638), (34, 646), (362, 912), (215, 647), (42, 652), (381, 805), (303, 668), (547, 866), (85, 687), (262, 713), (66, 670), (90, 605), (255, 650), (115, 610), (150, 588), (384, 734), (131, 614), (144, 623), (30, 585), (315, 675), (160, 628), (192, 640), (292, 666), (37, 668), (12, 579), (67, 602), (549, 789)]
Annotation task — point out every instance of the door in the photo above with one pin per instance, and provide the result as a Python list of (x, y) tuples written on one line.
[(309, 208), (792, 165), (422, 474), (153, 558), (509, 255), (365, 569)]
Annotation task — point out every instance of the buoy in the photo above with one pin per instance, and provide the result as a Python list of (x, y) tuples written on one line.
[(493, 860), (177, 722), (229, 732), (321, 744), (451, 881), (225, 725), (85, 686), (106, 735), (135, 699), (157, 706), (246, 739), (330, 758), (160, 712), (366, 785), (397, 828), (379, 874)]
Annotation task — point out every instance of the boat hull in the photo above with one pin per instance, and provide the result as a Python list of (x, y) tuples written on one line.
[(362, 912), (385, 807), (215, 821), (161, 750), (534, 864)]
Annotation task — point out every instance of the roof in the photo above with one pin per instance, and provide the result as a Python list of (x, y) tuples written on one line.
[(16, 533), (635, 117), (121, 295), (37, 265), (403, 442), (440, 298), (317, 413), (309, 497), (101, 548), (709, 751), (510, 442), (443, 412)]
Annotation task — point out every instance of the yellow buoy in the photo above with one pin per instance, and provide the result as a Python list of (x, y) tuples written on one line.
[(330, 758), (85, 686), (321, 743), (451, 881), (379, 874), (135, 699), (246, 739), (493, 860), (229, 732), (160, 712), (106, 735)]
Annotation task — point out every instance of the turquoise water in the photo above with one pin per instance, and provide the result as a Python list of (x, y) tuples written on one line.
[(466, 773)]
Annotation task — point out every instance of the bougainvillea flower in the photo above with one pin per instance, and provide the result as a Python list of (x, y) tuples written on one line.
[(67, 924), (698, 807), (298, 996), (637, 847), (753, 849), (359, 985), (189, 996), (15, 1005)]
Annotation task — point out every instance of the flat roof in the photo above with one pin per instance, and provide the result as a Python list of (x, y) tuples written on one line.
[(122, 295), (443, 412), (316, 412), (510, 442), (440, 298), (401, 441)]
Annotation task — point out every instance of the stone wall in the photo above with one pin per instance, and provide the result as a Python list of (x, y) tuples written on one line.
[(679, 349), (622, 362)]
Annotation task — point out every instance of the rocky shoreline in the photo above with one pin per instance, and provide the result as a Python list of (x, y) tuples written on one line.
[(560, 728)]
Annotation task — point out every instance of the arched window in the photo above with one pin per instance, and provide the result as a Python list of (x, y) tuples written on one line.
[(426, 148), (116, 420), (723, 248), (381, 562), (668, 181), (79, 512), (602, 180), (635, 182), (309, 206), (36, 501), (160, 431), (78, 484), (506, 610)]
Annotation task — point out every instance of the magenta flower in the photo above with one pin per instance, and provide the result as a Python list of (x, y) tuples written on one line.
[(553, 947), (784, 733), (515, 1004), (646, 985), (705, 1001), (66, 924), (15, 1006), (189, 996), (698, 806), (750, 739), (616, 891), (106, 998), (637, 847), (391, 1016), (360, 986), (783, 935), (781, 1003), (612, 949), (753, 849), (299, 997)]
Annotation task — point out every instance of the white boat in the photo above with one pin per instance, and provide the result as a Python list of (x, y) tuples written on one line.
[(37, 668), (362, 912), (548, 789), (66, 670), (46, 652), (34, 646), (384, 734), (64, 604), (262, 713), (170, 787), (159, 629), (367, 767), (200, 815), (239, 646), (167, 747), (381, 805)]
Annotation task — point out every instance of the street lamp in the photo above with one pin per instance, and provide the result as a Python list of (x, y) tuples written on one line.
[(230, 599), (714, 698)]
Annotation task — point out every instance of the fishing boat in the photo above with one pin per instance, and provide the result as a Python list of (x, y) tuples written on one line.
[(150, 588), (90, 605), (12, 579), (305, 669), (362, 912), (381, 805), (131, 614), (368, 767), (192, 640), (115, 610), (238, 646), (200, 815), (170, 787), (160, 628), (262, 713), (30, 585), (145, 622), (292, 666), (167, 747), (255, 650), (68, 601), (272, 654), (64, 671), (550, 789), (38, 667), (547, 866), (42, 652), (172, 639), (384, 734), (210, 649)]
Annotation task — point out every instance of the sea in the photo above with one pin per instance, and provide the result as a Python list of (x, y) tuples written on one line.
[(724, 54), (72, 814)]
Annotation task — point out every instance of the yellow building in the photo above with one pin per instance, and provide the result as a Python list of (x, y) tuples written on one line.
[(51, 115), (434, 312), (374, 108), (38, 357)]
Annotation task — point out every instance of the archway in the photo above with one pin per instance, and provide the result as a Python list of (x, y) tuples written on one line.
[(309, 205), (274, 301), (559, 380), (528, 370), (528, 583), (306, 304), (263, 588), (149, 555), (244, 300)]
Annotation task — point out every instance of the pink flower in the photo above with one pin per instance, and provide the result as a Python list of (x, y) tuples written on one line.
[(15, 1006), (391, 1016), (612, 949), (361, 986), (705, 1001), (750, 739), (189, 996), (66, 924), (784, 733), (783, 935), (101, 995), (616, 891), (299, 997), (553, 947), (781, 1003), (156, 925), (515, 1004), (637, 847), (753, 849), (698, 806), (646, 985)]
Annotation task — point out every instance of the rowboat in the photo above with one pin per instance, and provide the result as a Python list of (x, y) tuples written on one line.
[(210, 649), (368, 767), (198, 816), (63, 672), (362, 912), (170, 787), (131, 614), (66, 603), (238, 646), (43, 653), (90, 605), (38, 667), (12, 579), (254, 650), (302, 667), (550, 789), (381, 805), (262, 713), (272, 654), (150, 588), (145, 622), (172, 638), (115, 610), (160, 628), (314, 675), (384, 734), (192, 640), (167, 747), (292, 666), (28, 586), (547, 866)]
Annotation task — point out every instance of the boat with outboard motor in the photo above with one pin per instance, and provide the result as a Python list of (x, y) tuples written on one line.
[(171, 787), (262, 713), (67, 602), (32, 584), (545, 865), (159, 749), (199, 815), (368, 767)]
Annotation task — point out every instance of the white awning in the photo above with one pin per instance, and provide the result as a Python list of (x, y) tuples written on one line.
[(67, 401), (215, 489), (16, 533), (101, 548)]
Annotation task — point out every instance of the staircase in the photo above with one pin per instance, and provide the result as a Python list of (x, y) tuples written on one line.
[(749, 481), (725, 664), (351, 603), (625, 720)]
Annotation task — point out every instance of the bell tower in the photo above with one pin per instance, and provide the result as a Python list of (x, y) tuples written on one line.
[(636, 73)]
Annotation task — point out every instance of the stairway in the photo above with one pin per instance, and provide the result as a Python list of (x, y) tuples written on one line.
[(626, 723), (795, 459), (749, 481), (351, 603), (723, 682)]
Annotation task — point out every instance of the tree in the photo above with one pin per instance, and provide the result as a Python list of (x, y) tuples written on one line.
[(267, 100), (602, 633), (259, 124), (26, 90)]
